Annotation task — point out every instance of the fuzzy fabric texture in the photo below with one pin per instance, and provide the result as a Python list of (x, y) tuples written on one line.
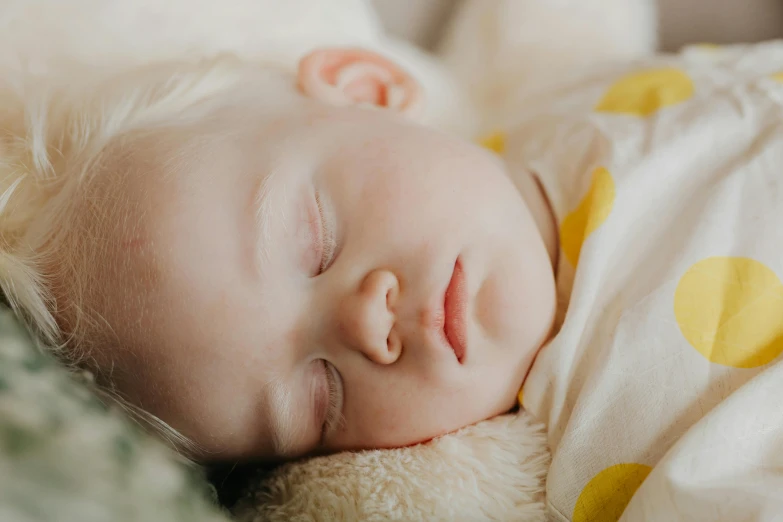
[(494, 470)]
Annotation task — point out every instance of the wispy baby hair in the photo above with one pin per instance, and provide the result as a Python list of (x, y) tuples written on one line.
[(57, 138)]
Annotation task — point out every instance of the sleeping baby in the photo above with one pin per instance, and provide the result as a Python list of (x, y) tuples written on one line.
[(271, 266)]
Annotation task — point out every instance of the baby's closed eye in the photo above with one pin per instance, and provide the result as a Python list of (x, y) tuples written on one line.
[(330, 400)]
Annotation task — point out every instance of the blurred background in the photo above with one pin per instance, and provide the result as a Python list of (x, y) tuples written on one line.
[(681, 21)]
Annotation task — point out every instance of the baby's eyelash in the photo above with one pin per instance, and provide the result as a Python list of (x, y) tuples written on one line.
[(328, 243), (333, 413)]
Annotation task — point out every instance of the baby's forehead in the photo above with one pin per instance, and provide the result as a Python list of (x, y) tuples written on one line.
[(142, 175)]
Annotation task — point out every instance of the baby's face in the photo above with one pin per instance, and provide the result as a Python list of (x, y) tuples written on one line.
[(335, 279)]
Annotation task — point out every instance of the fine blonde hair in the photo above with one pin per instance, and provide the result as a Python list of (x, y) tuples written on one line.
[(56, 135)]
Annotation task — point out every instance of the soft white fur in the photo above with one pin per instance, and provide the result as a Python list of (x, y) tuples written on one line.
[(492, 471)]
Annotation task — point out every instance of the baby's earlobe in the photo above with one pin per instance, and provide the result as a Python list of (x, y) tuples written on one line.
[(357, 77)]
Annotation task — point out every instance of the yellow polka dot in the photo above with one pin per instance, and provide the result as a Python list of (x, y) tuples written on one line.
[(607, 494), (778, 77), (495, 142), (731, 310), (591, 213), (645, 92)]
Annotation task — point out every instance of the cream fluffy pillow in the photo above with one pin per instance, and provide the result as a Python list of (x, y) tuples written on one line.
[(494, 470)]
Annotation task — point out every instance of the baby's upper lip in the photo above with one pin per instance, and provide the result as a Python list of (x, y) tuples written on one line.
[(454, 312)]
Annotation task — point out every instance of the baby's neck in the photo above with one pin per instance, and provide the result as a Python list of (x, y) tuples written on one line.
[(538, 203)]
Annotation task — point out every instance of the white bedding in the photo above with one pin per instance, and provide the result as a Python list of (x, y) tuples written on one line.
[(666, 375), (47, 36)]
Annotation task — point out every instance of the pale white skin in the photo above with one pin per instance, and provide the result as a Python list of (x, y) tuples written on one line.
[(244, 326)]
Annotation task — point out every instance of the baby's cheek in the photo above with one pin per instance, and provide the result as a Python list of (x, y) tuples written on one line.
[(403, 417)]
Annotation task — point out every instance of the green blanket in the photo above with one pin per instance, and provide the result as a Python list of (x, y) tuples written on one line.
[(64, 456)]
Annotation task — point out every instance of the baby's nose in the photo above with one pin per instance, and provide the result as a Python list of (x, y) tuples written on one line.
[(366, 317)]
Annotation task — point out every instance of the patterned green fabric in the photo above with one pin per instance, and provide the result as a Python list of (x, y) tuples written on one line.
[(66, 457)]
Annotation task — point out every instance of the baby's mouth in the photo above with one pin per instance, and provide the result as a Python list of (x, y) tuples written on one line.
[(454, 308)]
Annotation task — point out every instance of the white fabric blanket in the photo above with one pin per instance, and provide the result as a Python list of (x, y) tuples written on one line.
[(662, 389), (47, 36)]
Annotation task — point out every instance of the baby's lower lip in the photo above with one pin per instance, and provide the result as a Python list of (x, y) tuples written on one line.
[(454, 307)]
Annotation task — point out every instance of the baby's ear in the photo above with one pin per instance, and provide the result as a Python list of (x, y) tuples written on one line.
[(358, 77)]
